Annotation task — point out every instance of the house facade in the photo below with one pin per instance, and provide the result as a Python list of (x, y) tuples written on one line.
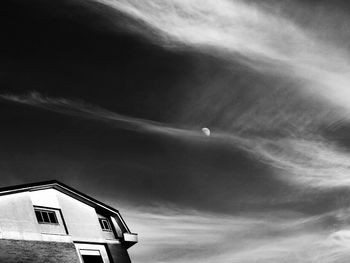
[(52, 222)]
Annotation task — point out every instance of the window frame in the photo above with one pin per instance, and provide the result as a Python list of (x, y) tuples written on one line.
[(41, 211), (105, 220)]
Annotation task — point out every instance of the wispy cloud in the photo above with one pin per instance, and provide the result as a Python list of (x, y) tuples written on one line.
[(281, 124), (265, 38), (312, 161), (169, 235), (231, 25), (85, 110), (269, 41)]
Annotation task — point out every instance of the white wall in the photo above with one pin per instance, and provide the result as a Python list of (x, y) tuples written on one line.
[(18, 220), (48, 199), (81, 219), (109, 235)]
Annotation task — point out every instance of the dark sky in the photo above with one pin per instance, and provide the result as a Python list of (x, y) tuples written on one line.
[(110, 97)]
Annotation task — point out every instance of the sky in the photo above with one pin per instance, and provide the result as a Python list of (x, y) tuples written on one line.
[(110, 97)]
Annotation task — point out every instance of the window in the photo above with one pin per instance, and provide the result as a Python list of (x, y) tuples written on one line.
[(93, 253), (92, 259), (46, 216), (105, 225)]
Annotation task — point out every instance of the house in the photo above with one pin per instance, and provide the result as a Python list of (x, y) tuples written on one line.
[(52, 222)]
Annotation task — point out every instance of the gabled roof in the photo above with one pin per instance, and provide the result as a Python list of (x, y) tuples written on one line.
[(54, 184)]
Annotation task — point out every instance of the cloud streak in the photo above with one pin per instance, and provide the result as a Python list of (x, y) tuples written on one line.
[(85, 110), (270, 42), (313, 162), (171, 235), (263, 38)]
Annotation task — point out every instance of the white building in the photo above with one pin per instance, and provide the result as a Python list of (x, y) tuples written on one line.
[(52, 222)]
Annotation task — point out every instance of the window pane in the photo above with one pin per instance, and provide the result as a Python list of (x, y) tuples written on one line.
[(52, 217), (38, 216), (92, 259), (106, 225), (45, 217), (101, 223)]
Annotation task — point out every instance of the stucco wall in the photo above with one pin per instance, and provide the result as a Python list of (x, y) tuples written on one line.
[(17, 218), (81, 219), (108, 235), (18, 221), (20, 251), (47, 197)]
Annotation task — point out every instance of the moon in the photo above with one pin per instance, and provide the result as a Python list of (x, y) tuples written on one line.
[(206, 131)]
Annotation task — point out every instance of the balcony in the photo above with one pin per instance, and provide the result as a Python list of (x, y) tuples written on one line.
[(130, 239)]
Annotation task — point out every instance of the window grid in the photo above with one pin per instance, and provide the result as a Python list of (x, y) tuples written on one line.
[(105, 225), (46, 216)]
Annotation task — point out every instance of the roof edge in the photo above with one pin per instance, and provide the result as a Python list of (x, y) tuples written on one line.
[(55, 184), (58, 186)]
